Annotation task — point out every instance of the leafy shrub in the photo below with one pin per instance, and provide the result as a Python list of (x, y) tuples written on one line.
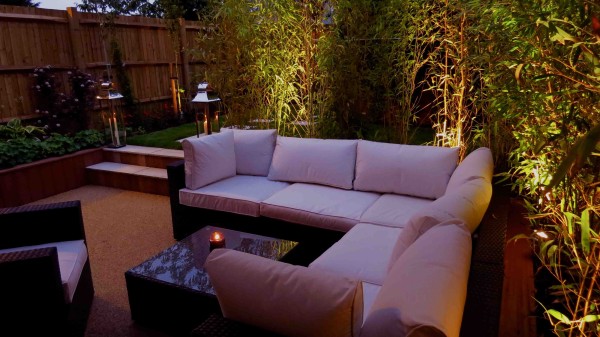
[(14, 129), (19, 151)]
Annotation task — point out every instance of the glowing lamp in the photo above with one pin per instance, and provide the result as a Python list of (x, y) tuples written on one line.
[(109, 100), (203, 98)]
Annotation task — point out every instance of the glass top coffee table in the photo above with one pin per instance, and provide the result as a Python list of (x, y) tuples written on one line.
[(172, 292)]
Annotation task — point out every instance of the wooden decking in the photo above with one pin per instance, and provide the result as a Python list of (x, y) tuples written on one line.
[(518, 306)]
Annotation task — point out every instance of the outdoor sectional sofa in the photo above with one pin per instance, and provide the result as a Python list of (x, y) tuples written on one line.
[(407, 212)]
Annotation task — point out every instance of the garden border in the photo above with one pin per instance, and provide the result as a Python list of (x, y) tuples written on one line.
[(43, 178)]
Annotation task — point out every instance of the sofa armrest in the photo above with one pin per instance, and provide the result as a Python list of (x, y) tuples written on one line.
[(31, 291), (37, 224), (282, 298)]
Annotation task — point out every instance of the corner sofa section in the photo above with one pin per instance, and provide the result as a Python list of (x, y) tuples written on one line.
[(406, 214)]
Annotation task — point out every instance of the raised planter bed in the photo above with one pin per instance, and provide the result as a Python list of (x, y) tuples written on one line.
[(33, 181)]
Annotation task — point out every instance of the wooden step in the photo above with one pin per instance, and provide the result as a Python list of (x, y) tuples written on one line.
[(129, 177), (142, 156)]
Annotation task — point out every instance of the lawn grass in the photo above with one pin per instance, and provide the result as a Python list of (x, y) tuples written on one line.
[(166, 138)]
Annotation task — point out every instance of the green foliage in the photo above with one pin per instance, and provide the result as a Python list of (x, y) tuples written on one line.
[(15, 130), (167, 138), (25, 3), (22, 150), (312, 71), (546, 85)]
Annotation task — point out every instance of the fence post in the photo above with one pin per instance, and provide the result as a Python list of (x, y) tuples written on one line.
[(185, 65), (75, 37)]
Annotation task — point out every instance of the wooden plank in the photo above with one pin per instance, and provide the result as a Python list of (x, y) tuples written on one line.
[(120, 23), (28, 17), (518, 306)]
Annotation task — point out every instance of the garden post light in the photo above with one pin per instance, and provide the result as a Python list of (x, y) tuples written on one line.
[(204, 99), (112, 114)]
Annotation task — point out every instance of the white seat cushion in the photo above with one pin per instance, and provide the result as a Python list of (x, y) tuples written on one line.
[(417, 170), (208, 159), (319, 161), (362, 254), (394, 210), (239, 194), (318, 206), (72, 256)]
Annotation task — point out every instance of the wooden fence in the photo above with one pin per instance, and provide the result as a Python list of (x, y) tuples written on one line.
[(64, 40)]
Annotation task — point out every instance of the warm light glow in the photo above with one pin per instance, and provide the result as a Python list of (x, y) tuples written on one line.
[(216, 237)]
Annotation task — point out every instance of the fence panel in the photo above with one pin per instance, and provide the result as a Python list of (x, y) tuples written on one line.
[(64, 40)]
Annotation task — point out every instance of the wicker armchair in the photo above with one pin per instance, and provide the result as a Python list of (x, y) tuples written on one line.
[(31, 291)]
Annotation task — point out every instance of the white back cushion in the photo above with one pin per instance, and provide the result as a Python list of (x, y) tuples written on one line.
[(319, 161), (416, 226), (208, 159), (426, 286), (421, 171), (283, 298), (478, 164), (253, 150)]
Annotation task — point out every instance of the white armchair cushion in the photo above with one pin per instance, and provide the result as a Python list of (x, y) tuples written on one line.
[(253, 150), (283, 298), (208, 159), (426, 286), (72, 256), (420, 171), (478, 164), (319, 161)]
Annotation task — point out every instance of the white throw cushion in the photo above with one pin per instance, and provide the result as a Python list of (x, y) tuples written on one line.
[(238, 194), (318, 206), (394, 210), (72, 256), (420, 171), (253, 150), (319, 161), (478, 164), (362, 254), (416, 226), (283, 298), (208, 159), (427, 285)]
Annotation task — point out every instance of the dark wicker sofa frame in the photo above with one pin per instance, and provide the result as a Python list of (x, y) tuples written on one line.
[(31, 292)]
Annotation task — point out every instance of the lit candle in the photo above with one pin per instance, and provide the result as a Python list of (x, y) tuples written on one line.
[(117, 132), (217, 240), (206, 127)]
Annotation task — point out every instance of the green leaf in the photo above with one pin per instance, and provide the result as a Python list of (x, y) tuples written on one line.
[(591, 318), (558, 315), (585, 231), (577, 155), (562, 36)]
